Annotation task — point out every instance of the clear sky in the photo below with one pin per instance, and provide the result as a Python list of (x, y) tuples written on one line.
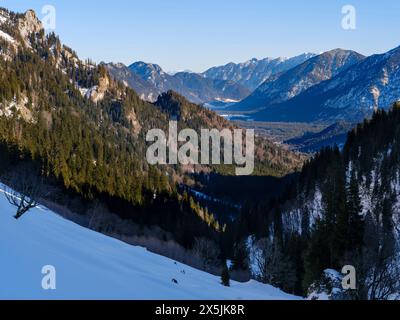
[(197, 34)]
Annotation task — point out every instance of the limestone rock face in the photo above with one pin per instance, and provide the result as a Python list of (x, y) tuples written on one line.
[(97, 93), (132, 117), (29, 24)]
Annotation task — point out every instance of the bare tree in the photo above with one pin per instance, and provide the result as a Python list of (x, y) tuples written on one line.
[(24, 191), (208, 252), (379, 279), (272, 266), (383, 282)]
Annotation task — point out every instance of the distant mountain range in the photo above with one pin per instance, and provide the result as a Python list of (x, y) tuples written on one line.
[(253, 73), (329, 87), (228, 84), (150, 81), (286, 85), (337, 85)]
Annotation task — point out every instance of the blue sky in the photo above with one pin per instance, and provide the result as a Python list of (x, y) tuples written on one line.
[(197, 34)]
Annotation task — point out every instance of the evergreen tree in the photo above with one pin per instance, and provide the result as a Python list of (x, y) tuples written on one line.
[(225, 276), (317, 256)]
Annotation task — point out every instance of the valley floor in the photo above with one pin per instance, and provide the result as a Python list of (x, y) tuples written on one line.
[(90, 265)]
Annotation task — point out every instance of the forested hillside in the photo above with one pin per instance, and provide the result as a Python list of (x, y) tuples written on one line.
[(343, 210), (83, 134)]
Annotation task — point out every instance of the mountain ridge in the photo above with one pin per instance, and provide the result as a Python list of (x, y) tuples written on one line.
[(289, 84), (254, 72), (213, 85), (351, 95), (150, 81)]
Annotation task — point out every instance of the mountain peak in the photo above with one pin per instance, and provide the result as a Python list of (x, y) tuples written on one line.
[(291, 83), (141, 65), (339, 51), (28, 24), (12, 25)]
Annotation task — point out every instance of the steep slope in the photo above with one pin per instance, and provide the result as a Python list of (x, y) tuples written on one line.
[(289, 84), (254, 72), (270, 159), (90, 265), (351, 95)]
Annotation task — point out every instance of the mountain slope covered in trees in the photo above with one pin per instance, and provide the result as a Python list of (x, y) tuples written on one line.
[(343, 210), (70, 123)]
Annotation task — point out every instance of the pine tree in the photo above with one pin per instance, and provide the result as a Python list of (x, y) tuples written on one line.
[(317, 256)]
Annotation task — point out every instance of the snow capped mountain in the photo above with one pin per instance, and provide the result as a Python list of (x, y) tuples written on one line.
[(287, 85), (90, 265), (369, 85), (351, 95), (254, 72)]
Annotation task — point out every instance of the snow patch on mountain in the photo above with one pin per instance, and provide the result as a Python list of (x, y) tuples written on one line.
[(6, 37), (17, 107)]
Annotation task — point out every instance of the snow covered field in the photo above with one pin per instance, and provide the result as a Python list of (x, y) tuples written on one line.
[(90, 265)]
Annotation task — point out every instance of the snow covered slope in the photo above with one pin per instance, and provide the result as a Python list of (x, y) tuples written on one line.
[(90, 265)]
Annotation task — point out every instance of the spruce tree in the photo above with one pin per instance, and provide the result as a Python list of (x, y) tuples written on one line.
[(225, 277)]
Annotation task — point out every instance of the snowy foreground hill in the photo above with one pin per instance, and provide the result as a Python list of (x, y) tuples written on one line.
[(90, 265)]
